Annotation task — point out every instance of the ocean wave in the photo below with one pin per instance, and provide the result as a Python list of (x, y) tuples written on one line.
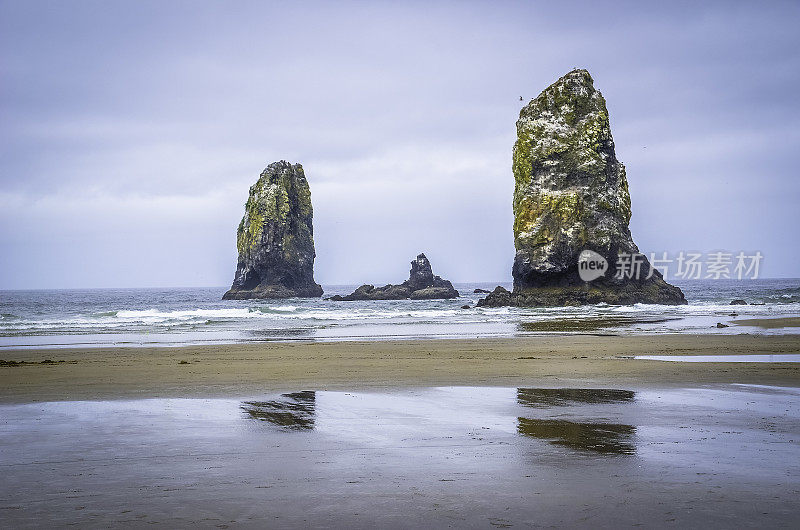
[(783, 299), (368, 314), (275, 309), (494, 310), (280, 313), (102, 314), (132, 318), (155, 315)]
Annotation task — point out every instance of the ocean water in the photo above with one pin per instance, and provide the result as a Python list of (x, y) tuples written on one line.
[(148, 317)]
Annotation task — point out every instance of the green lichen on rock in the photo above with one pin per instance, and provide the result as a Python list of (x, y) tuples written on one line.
[(570, 194), (565, 168), (275, 238)]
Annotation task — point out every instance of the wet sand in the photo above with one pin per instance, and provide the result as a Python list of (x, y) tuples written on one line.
[(250, 369), (466, 457), (557, 430), (770, 323)]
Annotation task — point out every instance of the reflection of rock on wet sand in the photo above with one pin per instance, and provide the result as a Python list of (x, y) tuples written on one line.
[(294, 412), (606, 438), (550, 397), (589, 324)]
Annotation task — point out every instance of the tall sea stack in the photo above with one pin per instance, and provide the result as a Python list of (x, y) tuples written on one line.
[(275, 238), (571, 195)]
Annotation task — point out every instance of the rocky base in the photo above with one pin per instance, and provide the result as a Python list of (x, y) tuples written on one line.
[(397, 292), (273, 292), (631, 293), (421, 285)]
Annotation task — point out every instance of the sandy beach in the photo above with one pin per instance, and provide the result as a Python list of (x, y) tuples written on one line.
[(552, 430), (248, 369)]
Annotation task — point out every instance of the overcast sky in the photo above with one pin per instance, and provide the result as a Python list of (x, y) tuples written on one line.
[(130, 132)]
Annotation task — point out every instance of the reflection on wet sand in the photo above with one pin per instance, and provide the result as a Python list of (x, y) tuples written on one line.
[(295, 411), (551, 397), (471, 457), (605, 438), (571, 325)]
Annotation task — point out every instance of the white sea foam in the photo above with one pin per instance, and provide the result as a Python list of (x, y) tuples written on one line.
[(285, 308), (155, 314)]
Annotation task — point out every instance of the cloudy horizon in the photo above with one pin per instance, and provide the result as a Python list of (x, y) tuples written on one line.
[(131, 132)]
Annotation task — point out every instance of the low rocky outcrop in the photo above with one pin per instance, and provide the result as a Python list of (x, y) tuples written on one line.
[(275, 238), (571, 196), (422, 284)]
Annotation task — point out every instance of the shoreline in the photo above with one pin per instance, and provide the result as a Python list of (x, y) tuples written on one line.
[(235, 370)]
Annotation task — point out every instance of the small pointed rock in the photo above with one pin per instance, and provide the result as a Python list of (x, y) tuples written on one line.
[(422, 284)]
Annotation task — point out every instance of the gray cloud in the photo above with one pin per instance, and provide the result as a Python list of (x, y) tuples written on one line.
[(130, 132)]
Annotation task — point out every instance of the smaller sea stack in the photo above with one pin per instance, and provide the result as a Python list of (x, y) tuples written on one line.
[(422, 284)]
